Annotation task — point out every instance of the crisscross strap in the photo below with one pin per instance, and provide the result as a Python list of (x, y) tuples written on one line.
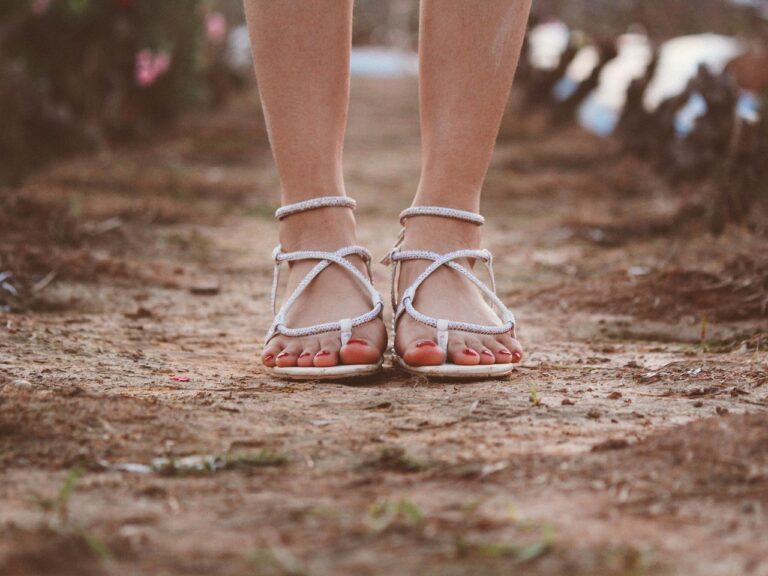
[(405, 305), (324, 259)]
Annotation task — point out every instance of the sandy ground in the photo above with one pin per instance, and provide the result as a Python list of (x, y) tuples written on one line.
[(632, 440)]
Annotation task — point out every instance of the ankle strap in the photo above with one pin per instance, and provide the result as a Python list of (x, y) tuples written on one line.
[(442, 212), (314, 204)]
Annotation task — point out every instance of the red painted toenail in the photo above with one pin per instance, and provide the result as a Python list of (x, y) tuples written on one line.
[(283, 354), (517, 356), (470, 352), (487, 353), (505, 352), (268, 356), (323, 353), (357, 341), (426, 344), (304, 354)]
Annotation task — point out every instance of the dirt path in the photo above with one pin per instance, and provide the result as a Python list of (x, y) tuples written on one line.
[(631, 441)]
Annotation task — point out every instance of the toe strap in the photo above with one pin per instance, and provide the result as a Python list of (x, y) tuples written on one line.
[(442, 333), (345, 326)]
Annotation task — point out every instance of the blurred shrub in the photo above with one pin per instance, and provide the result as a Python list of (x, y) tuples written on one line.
[(80, 73), (661, 18)]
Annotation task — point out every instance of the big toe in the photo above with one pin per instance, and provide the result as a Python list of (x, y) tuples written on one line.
[(423, 353), (359, 351)]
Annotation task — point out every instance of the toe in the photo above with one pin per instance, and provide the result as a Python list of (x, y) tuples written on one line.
[(505, 348), (270, 353), (423, 353), (288, 357), (328, 355), (359, 351), (486, 356), (501, 353), (307, 355), (460, 353), (415, 344), (512, 346)]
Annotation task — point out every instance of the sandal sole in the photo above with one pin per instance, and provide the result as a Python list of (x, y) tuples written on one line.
[(341, 372), (456, 371)]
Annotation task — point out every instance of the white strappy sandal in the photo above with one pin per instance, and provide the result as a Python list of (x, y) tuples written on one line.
[(442, 326), (343, 326)]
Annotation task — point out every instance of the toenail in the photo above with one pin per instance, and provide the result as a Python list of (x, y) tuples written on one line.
[(268, 356), (470, 352), (323, 353), (283, 354), (304, 355), (357, 341), (487, 353), (505, 352), (426, 343), (517, 356)]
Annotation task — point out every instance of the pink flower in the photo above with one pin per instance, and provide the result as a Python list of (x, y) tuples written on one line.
[(215, 27), (40, 6), (162, 63), (150, 66)]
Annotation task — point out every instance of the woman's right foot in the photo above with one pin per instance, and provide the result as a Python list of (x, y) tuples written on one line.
[(334, 294)]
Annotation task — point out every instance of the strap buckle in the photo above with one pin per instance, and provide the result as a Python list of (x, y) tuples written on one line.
[(387, 259)]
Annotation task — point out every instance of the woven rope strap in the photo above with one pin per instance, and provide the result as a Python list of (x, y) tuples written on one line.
[(314, 204), (405, 305), (324, 260), (442, 212)]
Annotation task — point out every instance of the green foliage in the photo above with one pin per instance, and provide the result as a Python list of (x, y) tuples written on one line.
[(202, 465), (520, 552), (386, 513), (65, 493), (75, 74), (95, 76), (534, 398), (395, 459)]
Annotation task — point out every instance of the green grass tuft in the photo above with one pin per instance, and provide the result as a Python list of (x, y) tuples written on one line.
[(386, 513), (65, 494), (203, 465), (396, 459)]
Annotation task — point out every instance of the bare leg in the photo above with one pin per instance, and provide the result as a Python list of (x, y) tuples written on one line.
[(301, 52), (468, 51)]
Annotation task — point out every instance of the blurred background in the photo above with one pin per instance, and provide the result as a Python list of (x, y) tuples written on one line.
[(680, 82)]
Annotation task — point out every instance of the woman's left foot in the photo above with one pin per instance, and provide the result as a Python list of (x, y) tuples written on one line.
[(448, 294), (333, 294)]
